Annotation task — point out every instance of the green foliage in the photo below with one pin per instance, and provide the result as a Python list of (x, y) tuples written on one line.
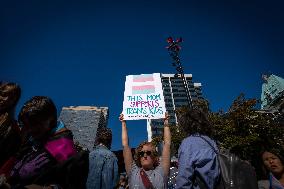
[(246, 132), (243, 129), (201, 104), (177, 137), (157, 140)]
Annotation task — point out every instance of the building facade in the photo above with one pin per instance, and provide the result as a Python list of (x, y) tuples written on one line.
[(175, 97), (272, 92), (84, 121), (272, 96)]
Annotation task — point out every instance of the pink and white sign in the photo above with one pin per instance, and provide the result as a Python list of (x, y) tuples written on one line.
[(143, 97)]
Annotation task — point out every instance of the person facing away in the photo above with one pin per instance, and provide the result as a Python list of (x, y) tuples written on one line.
[(10, 137), (145, 171), (103, 168), (49, 142), (198, 163), (273, 163)]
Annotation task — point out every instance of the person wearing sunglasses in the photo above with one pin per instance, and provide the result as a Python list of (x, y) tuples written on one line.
[(145, 171)]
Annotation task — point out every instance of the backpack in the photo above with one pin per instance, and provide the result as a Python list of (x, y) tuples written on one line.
[(234, 172)]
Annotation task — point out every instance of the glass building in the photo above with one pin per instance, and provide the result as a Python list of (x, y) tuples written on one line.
[(175, 97), (272, 97)]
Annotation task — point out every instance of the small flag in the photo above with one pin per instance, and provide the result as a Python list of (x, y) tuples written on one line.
[(144, 89), (143, 78)]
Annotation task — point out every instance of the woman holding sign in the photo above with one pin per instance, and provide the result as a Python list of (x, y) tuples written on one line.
[(146, 171)]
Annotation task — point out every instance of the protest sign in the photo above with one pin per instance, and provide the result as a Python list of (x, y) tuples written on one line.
[(143, 97)]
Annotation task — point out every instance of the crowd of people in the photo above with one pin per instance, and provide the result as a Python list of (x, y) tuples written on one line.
[(38, 152)]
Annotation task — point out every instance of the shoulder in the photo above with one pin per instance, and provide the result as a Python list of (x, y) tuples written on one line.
[(194, 140), (133, 171), (103, 152), (188, 144), (203, 140), (187, 140), (112, 155), (134, 168), (198, 145), (159, 169)]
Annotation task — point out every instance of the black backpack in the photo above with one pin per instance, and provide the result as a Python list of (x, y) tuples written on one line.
[(234, 172)]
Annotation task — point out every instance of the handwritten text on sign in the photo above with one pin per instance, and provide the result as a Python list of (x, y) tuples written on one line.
[(143, 97)]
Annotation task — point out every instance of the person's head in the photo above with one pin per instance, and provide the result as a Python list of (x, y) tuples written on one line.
[(104, 136), (273, 162), (9, 96), (146, 156), (38, 116), (192, 121)]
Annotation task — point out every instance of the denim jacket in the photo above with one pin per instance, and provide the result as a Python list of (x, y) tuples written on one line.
[(197, 157), (103, 169)]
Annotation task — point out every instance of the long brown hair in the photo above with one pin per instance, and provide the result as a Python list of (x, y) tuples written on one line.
[(192, 121)]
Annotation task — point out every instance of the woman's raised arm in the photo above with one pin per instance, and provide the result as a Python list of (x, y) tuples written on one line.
[(166, 154), (127, 155)]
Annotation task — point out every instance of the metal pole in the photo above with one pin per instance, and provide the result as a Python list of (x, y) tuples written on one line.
[(174, 49)]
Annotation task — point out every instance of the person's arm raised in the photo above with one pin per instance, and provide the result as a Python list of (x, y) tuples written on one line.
[(166, 154), (127, 155)]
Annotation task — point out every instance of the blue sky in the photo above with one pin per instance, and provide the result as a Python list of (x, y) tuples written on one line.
[(79, 52)]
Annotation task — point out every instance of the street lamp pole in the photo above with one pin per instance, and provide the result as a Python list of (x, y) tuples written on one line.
[(173, 50)]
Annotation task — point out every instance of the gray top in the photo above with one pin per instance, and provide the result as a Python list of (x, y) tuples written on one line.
[(156, 177)]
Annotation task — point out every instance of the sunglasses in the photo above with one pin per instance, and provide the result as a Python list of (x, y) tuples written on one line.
[(148, 153)]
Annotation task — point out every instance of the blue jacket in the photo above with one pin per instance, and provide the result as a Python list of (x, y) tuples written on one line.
[(103, 169), (196, 157)]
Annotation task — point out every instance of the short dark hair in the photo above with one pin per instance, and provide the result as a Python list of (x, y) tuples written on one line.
[(104, 136), (192, 121), (11, 90), (37, 109)]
